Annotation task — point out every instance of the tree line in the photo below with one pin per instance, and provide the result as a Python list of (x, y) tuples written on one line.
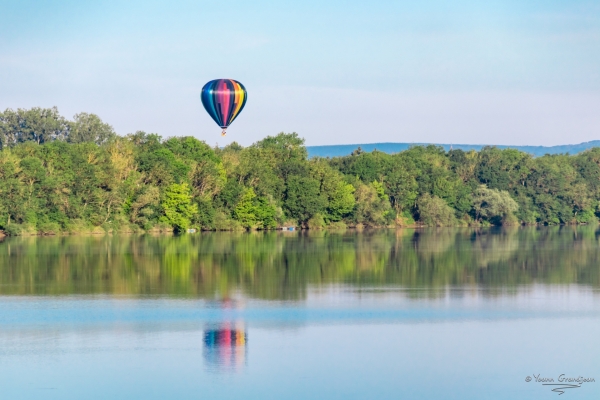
[(59, 175)]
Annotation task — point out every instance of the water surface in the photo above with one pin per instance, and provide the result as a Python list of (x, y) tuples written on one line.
[(434, 313)]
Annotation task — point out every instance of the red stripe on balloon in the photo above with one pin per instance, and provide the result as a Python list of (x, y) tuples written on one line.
[(224, 97)]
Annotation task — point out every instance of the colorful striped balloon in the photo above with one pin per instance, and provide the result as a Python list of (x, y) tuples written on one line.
[(223, 99)]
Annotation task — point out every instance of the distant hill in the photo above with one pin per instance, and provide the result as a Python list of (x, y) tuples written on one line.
[(346, 149)]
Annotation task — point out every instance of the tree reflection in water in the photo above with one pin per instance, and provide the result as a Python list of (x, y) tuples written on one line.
[(283, 266)]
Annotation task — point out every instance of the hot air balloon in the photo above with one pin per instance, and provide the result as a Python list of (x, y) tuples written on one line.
[(223, 100)]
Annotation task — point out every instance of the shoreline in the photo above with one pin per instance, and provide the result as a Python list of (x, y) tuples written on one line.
[(165, 232)]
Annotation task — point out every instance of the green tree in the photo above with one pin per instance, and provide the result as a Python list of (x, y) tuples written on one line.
[(303, 198), (372, 205), (178, 207), (434, 211), (39, 125), (494, 205), (89, 128), (338, 195), (254, 212), (143, 208), (245, 211)]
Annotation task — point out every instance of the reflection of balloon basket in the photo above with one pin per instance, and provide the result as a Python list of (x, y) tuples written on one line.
[(225, 348)]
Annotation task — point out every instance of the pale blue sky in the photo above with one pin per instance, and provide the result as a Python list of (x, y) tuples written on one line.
[(500, 72)]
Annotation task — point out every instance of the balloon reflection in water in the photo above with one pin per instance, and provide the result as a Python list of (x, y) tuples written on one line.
[(225, 347)]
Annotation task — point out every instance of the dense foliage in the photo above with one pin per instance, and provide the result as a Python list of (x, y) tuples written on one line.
[(79, 176)]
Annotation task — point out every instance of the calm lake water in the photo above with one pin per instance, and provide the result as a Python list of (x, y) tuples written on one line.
[(390, 314)]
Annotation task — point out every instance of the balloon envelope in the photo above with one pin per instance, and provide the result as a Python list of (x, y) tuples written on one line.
[(223, 99)]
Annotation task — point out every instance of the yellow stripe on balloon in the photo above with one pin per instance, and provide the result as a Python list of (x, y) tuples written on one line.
[(239, 99)]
